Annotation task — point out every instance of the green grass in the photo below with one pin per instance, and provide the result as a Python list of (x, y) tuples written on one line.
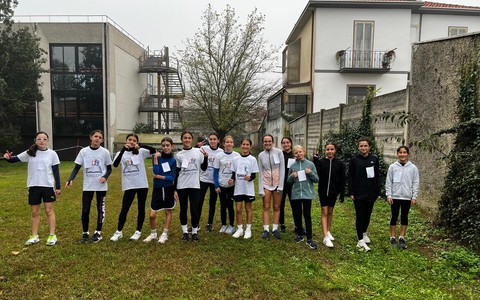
[(219, 266)]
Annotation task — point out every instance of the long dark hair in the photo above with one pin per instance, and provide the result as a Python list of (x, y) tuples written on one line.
[(135, 150), (32, 151)]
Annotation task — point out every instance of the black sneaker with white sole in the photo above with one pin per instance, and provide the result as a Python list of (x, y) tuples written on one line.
[(97, 237), (402, 243), (311, 244), (185, 237), (84, 238), (299, 239)]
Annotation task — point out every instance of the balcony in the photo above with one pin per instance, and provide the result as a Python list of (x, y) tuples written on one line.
[(354, 61)]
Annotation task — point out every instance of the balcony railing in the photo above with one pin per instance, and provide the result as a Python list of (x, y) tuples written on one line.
[(354, 61)]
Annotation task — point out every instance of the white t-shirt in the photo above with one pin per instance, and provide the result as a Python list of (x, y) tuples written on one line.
[(223, 163), (188, 166), (94, 164), (134, 175), (40, 171), (243, 166), (207, 175)]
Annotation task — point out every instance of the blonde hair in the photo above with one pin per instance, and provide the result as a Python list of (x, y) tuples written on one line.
[(297, 147)]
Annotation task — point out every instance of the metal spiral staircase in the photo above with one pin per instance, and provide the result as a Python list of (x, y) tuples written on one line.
[(165, 98)]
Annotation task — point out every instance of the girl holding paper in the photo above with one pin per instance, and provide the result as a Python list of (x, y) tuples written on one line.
[(364, 188), (164, 171), (302, 175)]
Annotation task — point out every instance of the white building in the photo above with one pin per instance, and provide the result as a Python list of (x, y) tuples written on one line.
[(339, 48)]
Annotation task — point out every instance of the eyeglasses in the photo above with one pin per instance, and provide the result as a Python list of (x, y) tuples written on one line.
[(41, 139)]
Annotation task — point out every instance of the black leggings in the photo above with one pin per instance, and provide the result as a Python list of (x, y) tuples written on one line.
[(287, 191), (226, 204), (184, 196), (404, 205), (363, 212), (87, 197), (302, 206), (211, 203), (128, 197)]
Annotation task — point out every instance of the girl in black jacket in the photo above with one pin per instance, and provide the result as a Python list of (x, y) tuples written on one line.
[(364, 188), (331, 172)]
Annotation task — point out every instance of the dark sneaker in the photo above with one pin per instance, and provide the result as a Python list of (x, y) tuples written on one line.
[(402, 243), (393, 242), (209, 228), (283, 229), (265, 234), (276, 234), (311, 244), (97, 237), (299, 239), (84, 238), (195, 237), (185, 237)]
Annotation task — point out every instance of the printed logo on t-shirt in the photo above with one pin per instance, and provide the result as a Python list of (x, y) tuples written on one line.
[(227, 170), (192, 166), (94, 170), (130, 169)]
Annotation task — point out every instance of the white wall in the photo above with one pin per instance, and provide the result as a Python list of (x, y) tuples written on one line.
[(334, 31), (436, 26)]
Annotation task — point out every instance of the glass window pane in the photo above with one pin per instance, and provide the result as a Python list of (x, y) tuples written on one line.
[(90, 58), (56, 63), (69, 58)]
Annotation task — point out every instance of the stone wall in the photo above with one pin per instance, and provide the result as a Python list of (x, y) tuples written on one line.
[(432, 97)]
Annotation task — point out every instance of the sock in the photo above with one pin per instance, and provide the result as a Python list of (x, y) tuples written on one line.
[(99, 232), (240, 227), (86, 232), (165, 230), (274, 227), (392, 237), (266, 227), (194, 230), (249, 226), (184, 229), (400, 237), (153, 231)]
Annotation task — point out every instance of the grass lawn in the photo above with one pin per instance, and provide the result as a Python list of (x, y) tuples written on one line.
[(219, 266)]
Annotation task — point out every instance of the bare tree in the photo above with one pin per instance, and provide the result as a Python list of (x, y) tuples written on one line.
[(225, 66)]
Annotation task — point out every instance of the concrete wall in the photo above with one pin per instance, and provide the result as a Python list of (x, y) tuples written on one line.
[(312, 126), (433, 95)]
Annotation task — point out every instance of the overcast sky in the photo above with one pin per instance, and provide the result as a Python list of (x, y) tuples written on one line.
[(158, 23)]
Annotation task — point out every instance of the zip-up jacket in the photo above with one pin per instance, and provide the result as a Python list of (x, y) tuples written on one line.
[(332, 177), (361, 184), (302, 189), (271, 165), (403, 182)]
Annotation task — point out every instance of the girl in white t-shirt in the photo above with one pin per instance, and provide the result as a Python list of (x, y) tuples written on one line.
[(134, 181), (224, 184), (244, 170), (97, 166), (187, 184), (43, 183)]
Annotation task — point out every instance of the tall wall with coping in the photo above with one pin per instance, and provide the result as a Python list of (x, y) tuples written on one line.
[(432, 97), (315, 125)]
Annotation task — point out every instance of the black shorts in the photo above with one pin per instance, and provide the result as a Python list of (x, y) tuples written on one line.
[(328, 201), (37, 194), (162, 198), (242, 198)]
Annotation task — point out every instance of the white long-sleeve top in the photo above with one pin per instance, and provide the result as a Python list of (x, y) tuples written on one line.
[(403, 182)]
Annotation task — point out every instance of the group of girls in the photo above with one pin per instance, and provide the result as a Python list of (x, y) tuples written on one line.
[(186, 178)]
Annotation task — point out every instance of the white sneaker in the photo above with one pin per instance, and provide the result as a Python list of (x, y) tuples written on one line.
[(116, 236), (33, 239), (163, 238), (238, 233), (330, 236), (230, 229), (248, 234), (150, 237), (366, 239), (361, 245), (223, 228), (135, 236), (327, 242)]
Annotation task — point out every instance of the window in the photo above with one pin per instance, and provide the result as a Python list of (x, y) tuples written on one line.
[(363, 44), (296, 105), (77, 88), (274, 107), (456, 30), (357, 93), (293, 62), (299, 139)]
